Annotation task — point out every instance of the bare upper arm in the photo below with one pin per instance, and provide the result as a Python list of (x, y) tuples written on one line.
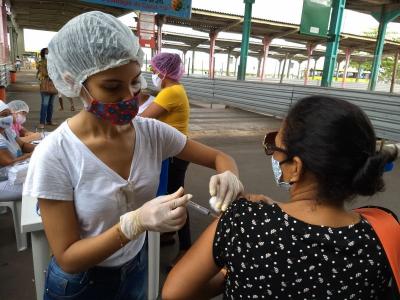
[(154, 111), (60, 224), (5, 158), (194, 271), (200, 154), (26, 147)]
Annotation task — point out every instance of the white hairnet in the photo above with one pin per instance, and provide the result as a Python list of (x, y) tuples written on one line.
[(3, 106), (18, 106), (89, 43)]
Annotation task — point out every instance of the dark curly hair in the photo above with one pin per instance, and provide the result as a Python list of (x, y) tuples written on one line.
[(336, 142)]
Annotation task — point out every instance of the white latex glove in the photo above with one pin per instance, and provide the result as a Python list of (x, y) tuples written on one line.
[(162, 214), (224, 188)]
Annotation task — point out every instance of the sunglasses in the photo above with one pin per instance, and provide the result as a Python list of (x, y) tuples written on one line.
[(269, 144)]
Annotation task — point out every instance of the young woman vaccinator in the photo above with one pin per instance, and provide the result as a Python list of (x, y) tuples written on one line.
[(96, 176)]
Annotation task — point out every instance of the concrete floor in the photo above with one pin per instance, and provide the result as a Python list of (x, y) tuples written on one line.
[(236, 132)]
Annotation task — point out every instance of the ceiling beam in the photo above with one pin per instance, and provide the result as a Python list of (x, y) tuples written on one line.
[(283, 34), (229, 26)]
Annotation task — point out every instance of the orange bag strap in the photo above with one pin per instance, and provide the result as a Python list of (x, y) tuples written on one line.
[(388, 231)]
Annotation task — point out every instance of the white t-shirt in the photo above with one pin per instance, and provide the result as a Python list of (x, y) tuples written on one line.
[(63, 168), (146, 104), (8, 141)]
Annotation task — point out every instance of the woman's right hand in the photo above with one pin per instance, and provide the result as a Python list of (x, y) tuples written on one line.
[(258, 198), (35, 136), (162, 214)]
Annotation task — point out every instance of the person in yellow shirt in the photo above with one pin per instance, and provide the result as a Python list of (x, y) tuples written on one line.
[(171, 106)]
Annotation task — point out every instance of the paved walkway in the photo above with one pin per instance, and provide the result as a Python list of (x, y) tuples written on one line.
[(234, 131)]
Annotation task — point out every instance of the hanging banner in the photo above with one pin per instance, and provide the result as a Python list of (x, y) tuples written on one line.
[(175, 8), (315, 17), (146, 30)]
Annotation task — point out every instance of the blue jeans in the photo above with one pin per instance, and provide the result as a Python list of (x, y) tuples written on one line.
[(46, 109), (128, 281)]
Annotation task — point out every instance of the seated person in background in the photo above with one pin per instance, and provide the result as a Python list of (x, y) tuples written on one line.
[(20, 111), (145, 97), (12, 149), (310, 247)]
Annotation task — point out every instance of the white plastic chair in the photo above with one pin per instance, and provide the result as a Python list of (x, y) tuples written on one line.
[(13, 200)]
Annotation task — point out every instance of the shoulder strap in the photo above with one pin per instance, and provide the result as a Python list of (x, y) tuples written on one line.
[(388, 231)]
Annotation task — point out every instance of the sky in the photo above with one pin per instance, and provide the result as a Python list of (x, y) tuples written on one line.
[(353, 22)]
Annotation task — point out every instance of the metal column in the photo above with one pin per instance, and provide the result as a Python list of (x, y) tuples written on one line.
[(266, 42), (394, 75), (279, 67), (236, 66), (315, 67), (259, 58), (13, 43), (358, 71), (245, 39), (283, 69), (211, 66), (333, 42), (184, 59), (346, 65), (193, 54), (160, 20), (298, 71), (228, 61), (337, 70), (288, 69), (310, 49), (20, 42), (386, 15), (4, 55)]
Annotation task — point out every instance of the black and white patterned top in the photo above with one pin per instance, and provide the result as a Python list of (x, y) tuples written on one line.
[(271, 255)]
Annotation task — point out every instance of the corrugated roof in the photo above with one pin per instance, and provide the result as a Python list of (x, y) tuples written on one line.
[(240, 15)]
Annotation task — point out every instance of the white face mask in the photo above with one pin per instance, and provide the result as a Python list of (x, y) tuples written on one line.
[(46, 55), (20, 119), (6, 122), (157, 81), (276, 168)]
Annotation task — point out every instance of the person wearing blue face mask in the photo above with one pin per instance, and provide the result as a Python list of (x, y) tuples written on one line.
[(12, 149), (310, 246), (96, 175)]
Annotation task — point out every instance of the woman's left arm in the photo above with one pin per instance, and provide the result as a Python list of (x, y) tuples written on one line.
[(154, 111), (25, 147), (225, 186), (196, 276), (203, 155)]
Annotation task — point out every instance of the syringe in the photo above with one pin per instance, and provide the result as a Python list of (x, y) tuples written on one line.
[(201, 209)]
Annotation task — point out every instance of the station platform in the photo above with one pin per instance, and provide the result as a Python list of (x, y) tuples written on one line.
[(236, 132)]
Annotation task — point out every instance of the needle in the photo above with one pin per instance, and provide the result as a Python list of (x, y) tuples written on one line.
[(202, 209)]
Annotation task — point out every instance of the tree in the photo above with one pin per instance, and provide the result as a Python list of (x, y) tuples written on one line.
[(387, 63)]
